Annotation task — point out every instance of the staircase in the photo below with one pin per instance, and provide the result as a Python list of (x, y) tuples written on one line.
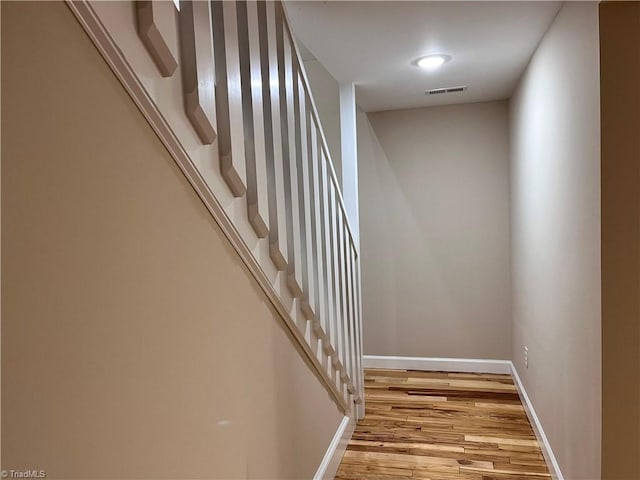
[(223, 86)]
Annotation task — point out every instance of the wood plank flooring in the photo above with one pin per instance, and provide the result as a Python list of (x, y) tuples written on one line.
[(442, 426)]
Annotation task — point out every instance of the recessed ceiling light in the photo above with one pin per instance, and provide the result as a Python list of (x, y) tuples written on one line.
[(431, 62)]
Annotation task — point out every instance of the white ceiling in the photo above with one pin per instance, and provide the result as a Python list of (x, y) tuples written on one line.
[(373, 43)]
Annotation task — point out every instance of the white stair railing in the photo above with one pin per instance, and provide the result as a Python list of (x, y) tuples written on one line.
[(248, 137)]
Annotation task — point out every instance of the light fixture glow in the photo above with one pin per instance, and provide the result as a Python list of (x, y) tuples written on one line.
[(431, 62)]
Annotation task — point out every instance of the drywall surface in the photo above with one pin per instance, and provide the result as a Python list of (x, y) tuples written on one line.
[(434, 223), (555, 234), (134, 342), (620, 114)]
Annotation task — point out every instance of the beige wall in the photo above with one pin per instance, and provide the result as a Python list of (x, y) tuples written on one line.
[(434, 222), (555, 194), (620, 104), (134, 342)]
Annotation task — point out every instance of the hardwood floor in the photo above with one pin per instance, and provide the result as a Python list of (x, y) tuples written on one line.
[(442, 426)]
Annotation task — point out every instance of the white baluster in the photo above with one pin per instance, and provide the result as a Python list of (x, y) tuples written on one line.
[(352, 324), (273, 134), (301, 157), (151, 19), (358, 305), (342, 298), (287, 115), (351, 385), (338, 360), (315, 260), (309, 301), (229, 97), (325, 244), (254, 140), (197, 67)]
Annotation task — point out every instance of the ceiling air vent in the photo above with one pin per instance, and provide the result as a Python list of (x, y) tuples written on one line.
[(438, 91)]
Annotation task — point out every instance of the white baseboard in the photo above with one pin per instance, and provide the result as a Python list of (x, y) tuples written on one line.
[(333, 456), (549, 457), (473, 366), (437, 364)]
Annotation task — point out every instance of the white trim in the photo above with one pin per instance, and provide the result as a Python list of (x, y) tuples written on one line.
[(547, 453), (333, 456), (437, 364)]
